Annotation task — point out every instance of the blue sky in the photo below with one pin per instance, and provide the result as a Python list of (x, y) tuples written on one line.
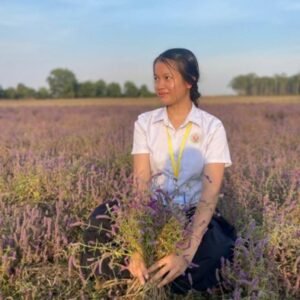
[(117, 40)]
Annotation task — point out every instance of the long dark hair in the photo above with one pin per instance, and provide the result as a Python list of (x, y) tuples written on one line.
[(187, 65)]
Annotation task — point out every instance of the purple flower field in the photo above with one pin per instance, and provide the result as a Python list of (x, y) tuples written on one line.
[(57, 163)]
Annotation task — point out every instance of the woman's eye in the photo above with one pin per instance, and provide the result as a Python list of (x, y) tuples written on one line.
[(166, 77)]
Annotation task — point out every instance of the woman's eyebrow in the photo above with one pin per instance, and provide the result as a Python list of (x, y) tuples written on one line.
[(163, 74)]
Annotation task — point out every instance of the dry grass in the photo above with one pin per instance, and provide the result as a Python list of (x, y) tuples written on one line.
[(149, 101)]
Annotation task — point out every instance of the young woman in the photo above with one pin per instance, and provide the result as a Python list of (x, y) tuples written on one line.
[(188, 148)]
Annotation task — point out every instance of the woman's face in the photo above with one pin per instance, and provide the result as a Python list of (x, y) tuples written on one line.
[(169, 85)]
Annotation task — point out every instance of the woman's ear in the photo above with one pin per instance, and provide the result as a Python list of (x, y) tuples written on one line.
[(188, 85)]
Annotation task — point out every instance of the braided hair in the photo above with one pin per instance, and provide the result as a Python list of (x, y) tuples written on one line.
[(187, 66)]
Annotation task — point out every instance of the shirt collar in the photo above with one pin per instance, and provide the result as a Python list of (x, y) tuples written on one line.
[(192, 116)]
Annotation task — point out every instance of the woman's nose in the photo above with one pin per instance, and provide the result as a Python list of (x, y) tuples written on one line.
[(159, 84)]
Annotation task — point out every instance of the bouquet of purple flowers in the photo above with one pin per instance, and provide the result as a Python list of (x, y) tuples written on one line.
[(149, 223)]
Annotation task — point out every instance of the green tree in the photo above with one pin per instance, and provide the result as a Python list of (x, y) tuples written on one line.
[(100, 87), (86, 89), (239, 84), (1, 92), (62, 83), (130, 89), (42, 93), (22, 91), (251, 84), (281, 84), (10, 93), (294, 84), (113, 90), (144, 92)]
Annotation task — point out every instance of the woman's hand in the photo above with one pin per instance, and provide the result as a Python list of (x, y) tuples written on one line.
[(172, 263), (138, 268)]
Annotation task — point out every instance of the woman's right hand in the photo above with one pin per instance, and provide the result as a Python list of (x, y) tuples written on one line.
[(138, 268)]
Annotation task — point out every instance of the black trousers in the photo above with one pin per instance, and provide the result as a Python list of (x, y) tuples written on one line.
[(217, 241)]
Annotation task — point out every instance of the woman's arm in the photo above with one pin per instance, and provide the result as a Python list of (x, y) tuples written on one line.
[(212, 181), (141, 171), (176, 264)]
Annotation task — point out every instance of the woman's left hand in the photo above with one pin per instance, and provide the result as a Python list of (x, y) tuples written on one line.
[(172, 263)]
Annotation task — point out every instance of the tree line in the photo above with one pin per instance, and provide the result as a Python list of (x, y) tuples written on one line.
[(251, 84), (63, 84)]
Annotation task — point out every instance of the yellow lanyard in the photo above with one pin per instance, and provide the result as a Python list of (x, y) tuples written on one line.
[(176, 165)]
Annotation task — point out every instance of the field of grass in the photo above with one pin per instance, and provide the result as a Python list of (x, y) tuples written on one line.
[(149, 101), (59, 159)]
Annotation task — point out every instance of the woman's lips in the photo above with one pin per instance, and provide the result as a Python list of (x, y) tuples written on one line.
[(162, 94)]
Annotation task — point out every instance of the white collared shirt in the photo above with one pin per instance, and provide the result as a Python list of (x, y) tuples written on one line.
[(206, 143)]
